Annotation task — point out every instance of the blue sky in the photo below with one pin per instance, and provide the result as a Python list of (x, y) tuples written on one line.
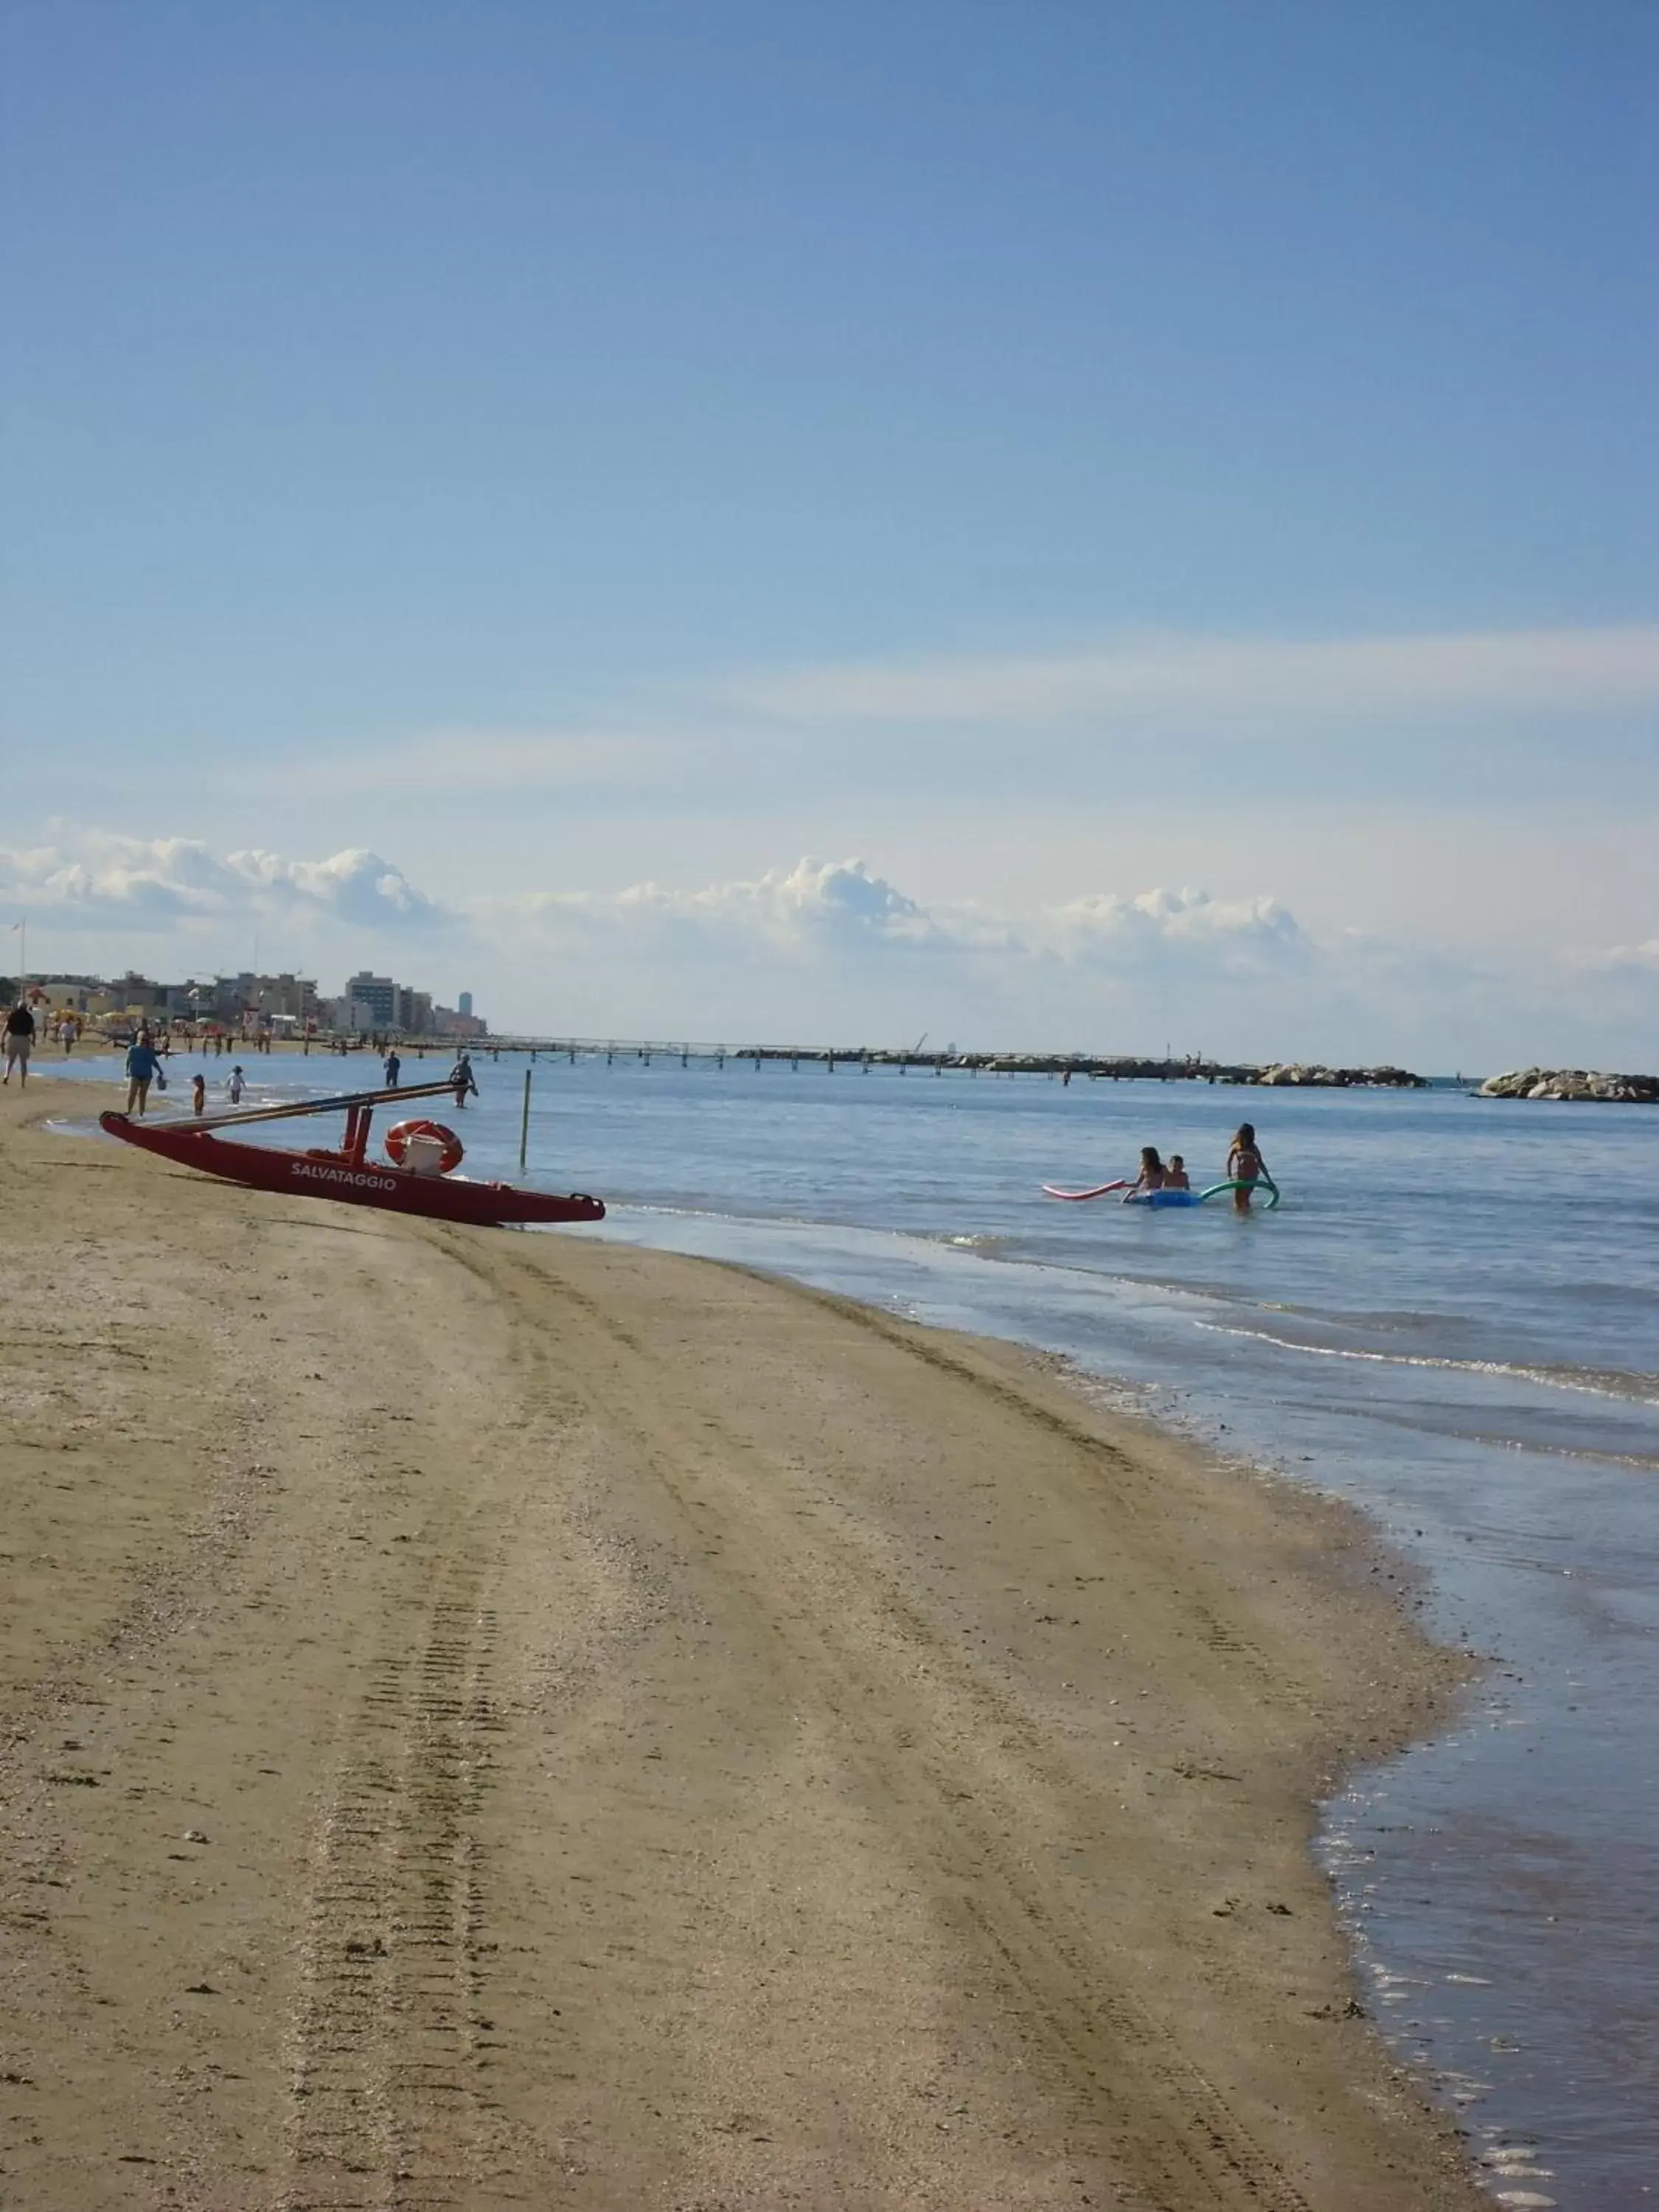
[(1053, 454)]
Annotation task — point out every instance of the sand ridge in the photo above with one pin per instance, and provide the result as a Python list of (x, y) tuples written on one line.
[(494, 1719)]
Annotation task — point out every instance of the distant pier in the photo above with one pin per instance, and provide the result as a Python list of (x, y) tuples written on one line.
[(1068, 1066)]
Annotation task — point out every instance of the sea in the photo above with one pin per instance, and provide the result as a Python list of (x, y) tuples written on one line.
[(1452, 1319)]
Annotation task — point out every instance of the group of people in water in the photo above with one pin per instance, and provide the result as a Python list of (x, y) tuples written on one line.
[(144, 1067), (1245, 1169)]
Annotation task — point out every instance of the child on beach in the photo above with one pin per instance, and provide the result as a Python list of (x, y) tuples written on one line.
[(1175, 1176), (1152, 1176), (1245, 1165)]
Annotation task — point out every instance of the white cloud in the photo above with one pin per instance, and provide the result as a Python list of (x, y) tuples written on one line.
[(1131, 680), (840, 909), (813, 908), (1189, 925), (91, 879), (1630, 959)]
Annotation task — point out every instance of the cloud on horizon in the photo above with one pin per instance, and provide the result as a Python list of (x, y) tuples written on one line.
[(831, 950), (92, 879)]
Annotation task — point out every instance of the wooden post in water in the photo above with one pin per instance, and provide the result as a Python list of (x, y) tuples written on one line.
[(524, 1126)]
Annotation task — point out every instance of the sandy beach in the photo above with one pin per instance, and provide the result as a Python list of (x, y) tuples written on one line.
[(496, 1719)]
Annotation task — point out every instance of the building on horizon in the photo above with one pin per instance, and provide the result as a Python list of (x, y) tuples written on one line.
[(379, 1006), (370, 1002), (247, 1003)]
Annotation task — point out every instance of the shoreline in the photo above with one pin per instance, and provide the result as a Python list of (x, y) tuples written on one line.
[(744, 1747)]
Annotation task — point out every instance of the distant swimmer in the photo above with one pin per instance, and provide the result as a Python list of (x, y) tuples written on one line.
[(1245, 1166), (1152, 1176), (1175, 1176)]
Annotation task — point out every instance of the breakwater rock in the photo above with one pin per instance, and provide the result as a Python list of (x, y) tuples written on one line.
[(1294, 1075), (1572, 1083)]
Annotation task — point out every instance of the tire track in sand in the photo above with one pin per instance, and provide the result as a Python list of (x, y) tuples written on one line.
[(389, 2108), (959, 1767)]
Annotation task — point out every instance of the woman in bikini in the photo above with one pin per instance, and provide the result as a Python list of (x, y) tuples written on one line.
[(1151, 1176), (1245, 1166)]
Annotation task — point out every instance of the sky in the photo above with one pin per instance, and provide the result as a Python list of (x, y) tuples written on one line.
[(1045, 522)]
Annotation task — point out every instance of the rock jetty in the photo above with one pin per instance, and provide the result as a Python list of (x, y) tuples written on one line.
[(1293, 1074), (1283, 1074), (1571, 1083)]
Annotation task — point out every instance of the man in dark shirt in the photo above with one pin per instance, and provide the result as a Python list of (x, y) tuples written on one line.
[(20, 1042)]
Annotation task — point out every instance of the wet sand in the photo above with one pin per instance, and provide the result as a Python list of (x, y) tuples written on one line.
[(490, 1719)]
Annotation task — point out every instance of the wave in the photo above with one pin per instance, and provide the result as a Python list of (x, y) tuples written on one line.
[(1595, 1381)]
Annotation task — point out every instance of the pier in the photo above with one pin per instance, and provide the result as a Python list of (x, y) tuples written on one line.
[(860, 1059)]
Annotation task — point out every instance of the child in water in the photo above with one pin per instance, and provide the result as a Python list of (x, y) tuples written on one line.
[(1152, 1176), (235, 1086), (1175, 1176), (199, 1094), (1245, 1165)]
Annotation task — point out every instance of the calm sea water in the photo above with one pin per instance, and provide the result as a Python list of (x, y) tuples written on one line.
[(1453, 1319)]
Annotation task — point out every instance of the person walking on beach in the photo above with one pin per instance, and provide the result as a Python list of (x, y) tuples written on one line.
[(461, 1079), (20, 1042), (142, 1067), (393, 1070), (1245, 1166)]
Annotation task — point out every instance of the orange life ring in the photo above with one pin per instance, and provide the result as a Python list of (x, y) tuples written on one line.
[(397, 1137)]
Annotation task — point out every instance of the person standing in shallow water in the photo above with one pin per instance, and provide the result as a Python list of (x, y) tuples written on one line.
[(142, 1067), (1245, 1166), (462, 1077), (393, 1070)]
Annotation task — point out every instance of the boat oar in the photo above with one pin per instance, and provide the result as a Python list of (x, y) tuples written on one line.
[(343, 1104)]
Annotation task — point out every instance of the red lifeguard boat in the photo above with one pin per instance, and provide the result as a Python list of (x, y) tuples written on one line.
[(419, 1177)]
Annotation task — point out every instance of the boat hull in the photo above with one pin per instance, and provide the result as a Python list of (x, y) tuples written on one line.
[(331, 1176)]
